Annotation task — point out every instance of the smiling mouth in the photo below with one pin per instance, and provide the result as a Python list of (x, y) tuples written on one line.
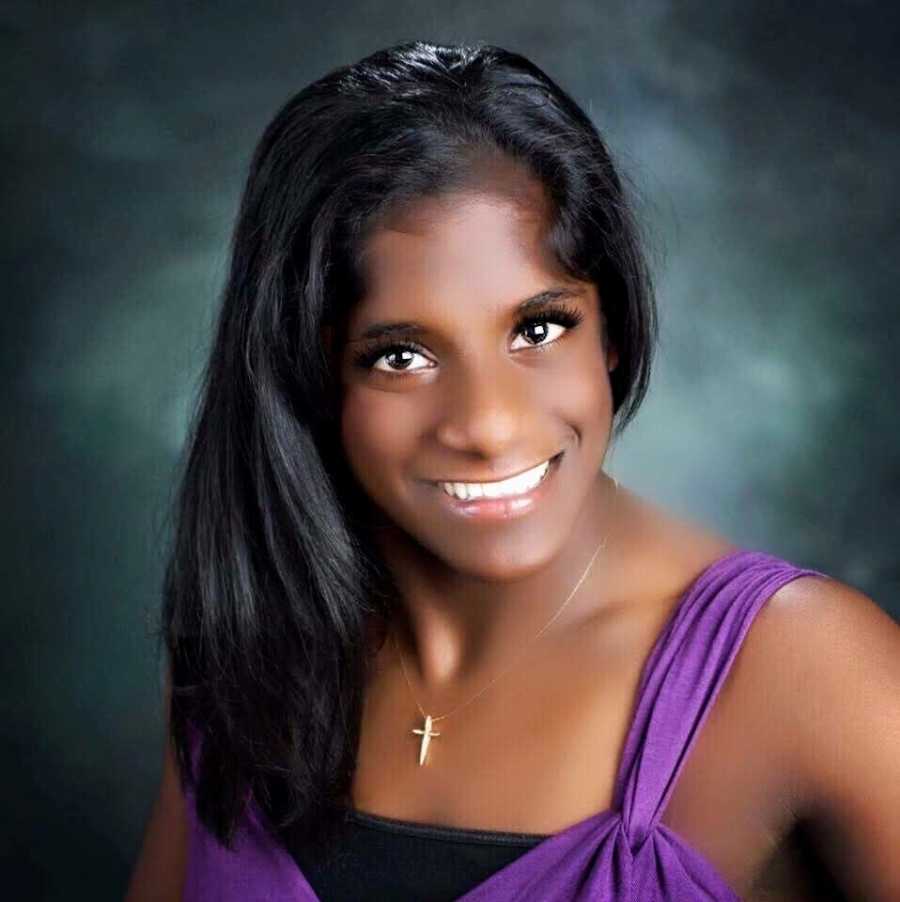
[(521, 484)]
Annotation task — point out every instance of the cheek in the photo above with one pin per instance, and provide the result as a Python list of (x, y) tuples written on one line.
[(587, 397), (374, 438)]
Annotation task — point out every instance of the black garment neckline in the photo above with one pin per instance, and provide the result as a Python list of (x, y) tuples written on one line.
[(442, 831)]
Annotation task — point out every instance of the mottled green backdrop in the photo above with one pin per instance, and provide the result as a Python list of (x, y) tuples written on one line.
[(763, 141)]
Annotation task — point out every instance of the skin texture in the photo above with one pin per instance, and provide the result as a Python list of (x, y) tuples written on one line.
[(476, 401), (483, 404)]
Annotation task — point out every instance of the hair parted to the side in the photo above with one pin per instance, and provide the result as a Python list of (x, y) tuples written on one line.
[(271, 578)]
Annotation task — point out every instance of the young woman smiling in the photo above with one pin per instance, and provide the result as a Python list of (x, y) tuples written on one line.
[(419, 644)]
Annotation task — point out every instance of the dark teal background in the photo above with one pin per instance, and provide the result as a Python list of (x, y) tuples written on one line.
[(763, 141)]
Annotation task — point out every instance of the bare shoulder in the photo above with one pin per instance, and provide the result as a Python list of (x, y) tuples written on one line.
[(830, 650), (826, 657), (815, 690), (820, 626)]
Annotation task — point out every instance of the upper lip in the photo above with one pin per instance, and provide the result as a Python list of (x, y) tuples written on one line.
[(493, 478)]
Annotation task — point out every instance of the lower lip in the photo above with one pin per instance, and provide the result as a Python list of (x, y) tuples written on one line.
[(501, 508)]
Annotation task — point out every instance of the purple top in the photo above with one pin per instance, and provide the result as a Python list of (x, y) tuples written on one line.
[(623, 853)]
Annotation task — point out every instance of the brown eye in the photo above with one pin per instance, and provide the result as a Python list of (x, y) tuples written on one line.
[(557, 315), (368, 357), (399, 354), (541, 327)]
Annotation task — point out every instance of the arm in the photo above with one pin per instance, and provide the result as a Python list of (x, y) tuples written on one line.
[(158, 874), (836, 655)]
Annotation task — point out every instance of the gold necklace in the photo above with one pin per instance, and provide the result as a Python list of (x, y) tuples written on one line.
[(425, 730)]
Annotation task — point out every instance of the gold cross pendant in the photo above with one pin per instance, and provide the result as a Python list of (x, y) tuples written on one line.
[(426, 734)]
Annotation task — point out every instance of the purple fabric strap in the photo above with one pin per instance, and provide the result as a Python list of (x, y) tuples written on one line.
[(624, 853), (683, 676)]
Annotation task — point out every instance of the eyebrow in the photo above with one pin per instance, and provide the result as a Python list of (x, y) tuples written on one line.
[(412, 329)]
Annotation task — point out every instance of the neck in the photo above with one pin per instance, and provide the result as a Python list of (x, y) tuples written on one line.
[(456, 625)]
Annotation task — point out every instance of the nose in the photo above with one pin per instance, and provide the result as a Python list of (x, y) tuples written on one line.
[(485, 411)]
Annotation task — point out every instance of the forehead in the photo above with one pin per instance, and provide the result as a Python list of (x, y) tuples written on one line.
[(484, 246)]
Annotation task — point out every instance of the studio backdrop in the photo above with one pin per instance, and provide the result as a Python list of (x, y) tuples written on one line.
[(761, 144)]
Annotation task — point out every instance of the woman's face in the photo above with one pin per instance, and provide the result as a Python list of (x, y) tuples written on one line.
[(475, 398)]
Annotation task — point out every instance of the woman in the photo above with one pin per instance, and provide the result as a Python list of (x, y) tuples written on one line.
[(420, 644)]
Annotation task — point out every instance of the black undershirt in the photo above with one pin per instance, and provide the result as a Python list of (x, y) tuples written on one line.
[(392, 860)]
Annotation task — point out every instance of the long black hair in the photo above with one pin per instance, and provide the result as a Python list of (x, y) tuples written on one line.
[(272, 579)]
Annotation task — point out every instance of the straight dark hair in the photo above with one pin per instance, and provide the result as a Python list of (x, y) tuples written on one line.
[(271, 579)]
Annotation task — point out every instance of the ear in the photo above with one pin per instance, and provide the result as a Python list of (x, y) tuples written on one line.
[(612, 358)]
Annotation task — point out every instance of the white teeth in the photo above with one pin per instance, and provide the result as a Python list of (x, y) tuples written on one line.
[(518, 485)]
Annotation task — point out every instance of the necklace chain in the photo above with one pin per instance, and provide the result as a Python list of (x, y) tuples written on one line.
[(503, 673)]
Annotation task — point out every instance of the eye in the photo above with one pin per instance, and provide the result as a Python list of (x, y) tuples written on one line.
[(543, 322), (400, 352), (557, 315)]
